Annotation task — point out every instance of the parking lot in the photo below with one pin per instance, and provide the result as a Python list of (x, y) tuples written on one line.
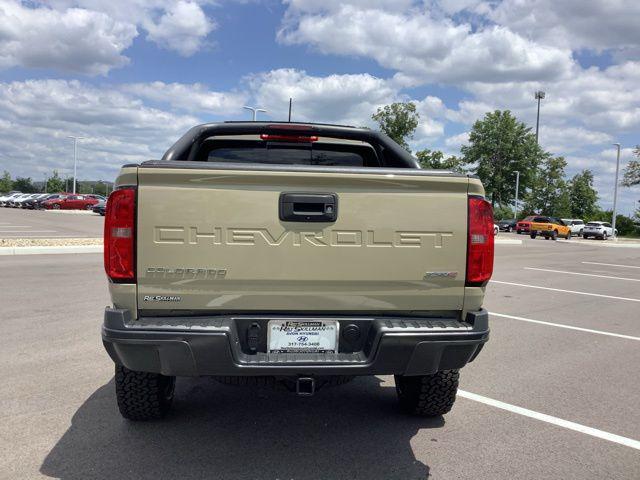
[(554, 394), (20, 223)]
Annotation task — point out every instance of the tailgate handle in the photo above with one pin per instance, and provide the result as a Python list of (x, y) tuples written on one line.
[(308, 207)]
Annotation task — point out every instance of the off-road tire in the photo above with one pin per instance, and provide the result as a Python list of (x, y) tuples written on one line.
[(428, 395), (143, 395)]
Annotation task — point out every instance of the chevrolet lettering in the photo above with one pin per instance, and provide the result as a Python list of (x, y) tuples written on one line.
[(299, 254), (287, 238)]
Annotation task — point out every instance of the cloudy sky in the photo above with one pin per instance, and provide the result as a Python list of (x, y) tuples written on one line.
[(132, 75)]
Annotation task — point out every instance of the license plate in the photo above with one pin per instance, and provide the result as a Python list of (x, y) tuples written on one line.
[(308, 336)]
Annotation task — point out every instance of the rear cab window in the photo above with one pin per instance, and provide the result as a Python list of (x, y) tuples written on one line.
[(251, 149)]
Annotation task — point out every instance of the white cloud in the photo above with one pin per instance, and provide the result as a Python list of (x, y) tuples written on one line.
[(455, 141), (421, 46), (118, 128), (196, 98), (350, 99), (76, 40), (182, 28), (575, 24), (91, 36)]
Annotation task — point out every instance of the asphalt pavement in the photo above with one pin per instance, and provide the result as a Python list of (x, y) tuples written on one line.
[(21, 223), (553, 395)]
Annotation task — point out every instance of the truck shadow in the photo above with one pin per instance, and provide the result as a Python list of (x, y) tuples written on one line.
[(223, 432)]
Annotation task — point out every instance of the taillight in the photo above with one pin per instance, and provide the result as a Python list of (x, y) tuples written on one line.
[(119, 236), (479, 242), (289, 138)]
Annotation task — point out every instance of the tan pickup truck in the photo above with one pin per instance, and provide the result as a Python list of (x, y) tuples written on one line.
[(301, 254)]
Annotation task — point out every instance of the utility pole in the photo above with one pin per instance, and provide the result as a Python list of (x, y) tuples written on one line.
[(255, 111), (539, 96), (615, 192), (515, 217), (75, 159), (290, 102)]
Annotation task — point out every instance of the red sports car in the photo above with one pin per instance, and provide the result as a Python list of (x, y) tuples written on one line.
[(71, 202)]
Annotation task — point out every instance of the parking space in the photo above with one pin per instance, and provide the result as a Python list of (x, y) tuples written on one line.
[(541, 401), (20, 223)]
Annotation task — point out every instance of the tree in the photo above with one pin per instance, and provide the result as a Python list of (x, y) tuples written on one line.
[(583, 197), (631, 175), (434, 159), (24, 185), (55, 183), (499, 145), (399, 121), (550, 193), (5, 182)]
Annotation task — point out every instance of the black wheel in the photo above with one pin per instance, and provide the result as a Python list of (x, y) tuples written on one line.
[(554, 235), (56, 206), (428, 395), (604, 236), (143, 395), (585, 236), (518, 232), (533, 235), (89, 207)]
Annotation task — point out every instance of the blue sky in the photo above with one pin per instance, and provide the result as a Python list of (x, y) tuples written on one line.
[(132, 75)]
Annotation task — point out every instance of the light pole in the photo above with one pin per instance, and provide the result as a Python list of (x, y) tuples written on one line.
[(615, 192), (515, 217), (255, 111), (75, 158), (539, 96)]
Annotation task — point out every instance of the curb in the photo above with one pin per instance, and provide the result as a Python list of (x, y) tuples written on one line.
[(50, 250), (507, 241)]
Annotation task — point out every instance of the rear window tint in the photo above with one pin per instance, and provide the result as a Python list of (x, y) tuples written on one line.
[(283, 153), (541, 219)]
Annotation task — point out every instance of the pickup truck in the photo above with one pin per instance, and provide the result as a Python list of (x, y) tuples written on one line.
[(297, 254), (549, 228)]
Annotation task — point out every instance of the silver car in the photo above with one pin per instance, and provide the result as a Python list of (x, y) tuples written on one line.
[(601, 230)]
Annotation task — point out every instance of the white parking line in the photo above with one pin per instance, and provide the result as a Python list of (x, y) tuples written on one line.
[(611, 265), (560, 325), (583, 274), (27, 231), (543, 417), (14, 226), (567, 291)]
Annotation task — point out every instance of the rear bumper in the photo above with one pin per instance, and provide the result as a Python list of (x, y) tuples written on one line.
[(212, 346)]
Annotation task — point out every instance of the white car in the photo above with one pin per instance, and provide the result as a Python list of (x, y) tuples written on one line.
[(576, 225), (20, 201), (601, 230), (7, 198)]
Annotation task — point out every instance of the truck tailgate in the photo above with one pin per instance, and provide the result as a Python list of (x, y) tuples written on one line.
[(211, 240)]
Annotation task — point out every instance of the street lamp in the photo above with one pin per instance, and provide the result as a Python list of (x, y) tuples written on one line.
[(515, 217), (75, 158), (255, 111), (615, 191), (539, 96)]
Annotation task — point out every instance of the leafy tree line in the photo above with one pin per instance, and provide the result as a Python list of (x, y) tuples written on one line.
[(54, 183), (499, 146)]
